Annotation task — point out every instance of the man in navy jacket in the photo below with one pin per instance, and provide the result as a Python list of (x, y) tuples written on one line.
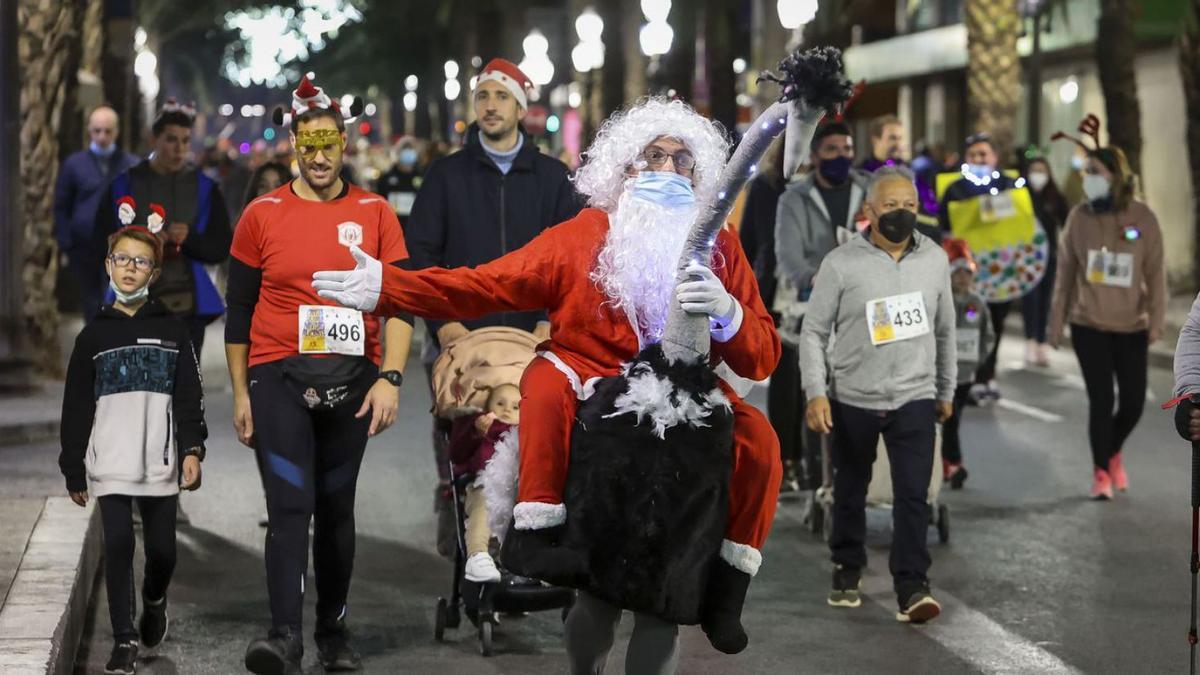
[(82, 180)]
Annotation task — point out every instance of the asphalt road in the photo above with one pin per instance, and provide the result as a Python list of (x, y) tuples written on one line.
[(1036, 577)]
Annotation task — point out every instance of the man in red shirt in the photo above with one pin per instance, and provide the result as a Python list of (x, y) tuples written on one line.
[(606, 277), (311, 381)]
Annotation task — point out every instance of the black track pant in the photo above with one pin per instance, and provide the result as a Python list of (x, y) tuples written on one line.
[(909, 435), (310, 460), (158, 538), (1105, 356), (786, 408), (951, 447), (987, 369)]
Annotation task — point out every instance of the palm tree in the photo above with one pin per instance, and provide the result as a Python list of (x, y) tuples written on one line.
[(50, 50), (1116, 51), (1189, 68), (993, 69)]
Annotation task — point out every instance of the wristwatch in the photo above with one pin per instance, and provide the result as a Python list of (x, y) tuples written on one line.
[(394, 377), (196, 451)]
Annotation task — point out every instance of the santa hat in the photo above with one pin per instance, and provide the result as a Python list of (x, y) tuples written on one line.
[(308, 96), (959, 254), (508, 74)]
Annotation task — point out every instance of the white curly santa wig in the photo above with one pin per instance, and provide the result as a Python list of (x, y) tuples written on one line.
[(623, 137)]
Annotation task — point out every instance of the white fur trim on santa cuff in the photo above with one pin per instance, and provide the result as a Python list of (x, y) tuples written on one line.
[(743, 558), (725, 333), (538, 516)]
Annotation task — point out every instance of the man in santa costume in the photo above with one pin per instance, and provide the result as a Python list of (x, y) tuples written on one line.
[(607, 278)]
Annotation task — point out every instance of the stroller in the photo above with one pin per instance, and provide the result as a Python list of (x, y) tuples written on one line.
[(462, 376), (879, 492)]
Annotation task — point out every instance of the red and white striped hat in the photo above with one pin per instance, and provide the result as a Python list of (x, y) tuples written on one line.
[(308, 96), (508, 74)]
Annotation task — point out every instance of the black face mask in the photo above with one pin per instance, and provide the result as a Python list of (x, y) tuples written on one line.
[(898, 225)]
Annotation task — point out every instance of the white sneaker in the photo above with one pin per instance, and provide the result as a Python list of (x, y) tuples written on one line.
[(481, 569), (1031, 353)]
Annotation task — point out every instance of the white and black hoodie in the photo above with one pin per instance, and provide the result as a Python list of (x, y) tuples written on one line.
[(133, 403)]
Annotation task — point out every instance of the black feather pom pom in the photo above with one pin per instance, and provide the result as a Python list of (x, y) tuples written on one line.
[(814, 75)]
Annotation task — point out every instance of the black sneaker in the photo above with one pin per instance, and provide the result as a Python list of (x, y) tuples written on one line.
[(958, 478), (123, 660), (846, 584), (333, 646), (918, 606), (277, 654), (154, 623)]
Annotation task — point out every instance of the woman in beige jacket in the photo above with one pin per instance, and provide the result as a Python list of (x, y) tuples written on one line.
[(1111, 287)]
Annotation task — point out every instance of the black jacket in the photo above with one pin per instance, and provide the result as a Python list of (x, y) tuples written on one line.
[(758, 233), (468, 213), (133, 392)]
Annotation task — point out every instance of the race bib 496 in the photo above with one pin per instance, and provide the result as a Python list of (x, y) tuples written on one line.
[(331, 330)]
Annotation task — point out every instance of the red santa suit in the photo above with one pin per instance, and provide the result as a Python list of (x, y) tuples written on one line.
[(590, 340)]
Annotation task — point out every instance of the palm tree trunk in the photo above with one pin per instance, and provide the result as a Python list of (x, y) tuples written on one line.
[(993, 70), (1189, 69), (1116, 52), (50, 48)]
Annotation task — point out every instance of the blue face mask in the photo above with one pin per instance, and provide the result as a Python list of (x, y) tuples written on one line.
[(980, 170), (665, 188), (408, 156), (102, 152)]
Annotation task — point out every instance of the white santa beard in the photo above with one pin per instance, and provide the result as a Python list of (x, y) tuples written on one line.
[(636, 268)]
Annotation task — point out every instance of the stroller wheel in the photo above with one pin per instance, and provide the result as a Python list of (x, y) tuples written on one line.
[(439, 620), (485, 637), (943, 523)]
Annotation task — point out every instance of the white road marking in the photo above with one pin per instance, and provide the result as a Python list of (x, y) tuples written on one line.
[(969, 634), (961, 630), (1028, 410)]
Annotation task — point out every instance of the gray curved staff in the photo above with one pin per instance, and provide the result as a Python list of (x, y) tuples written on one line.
[(812, 83)]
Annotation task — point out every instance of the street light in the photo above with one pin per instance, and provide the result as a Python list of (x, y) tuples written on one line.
[(589, 53), (589, 26), (537, 64), (656, 10), (655, 38), (410, 101), (410, 83), (451, 69), (796, 13), (452, 89)]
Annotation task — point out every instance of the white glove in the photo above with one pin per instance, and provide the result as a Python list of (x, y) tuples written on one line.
[(705, 294), (358, 288)]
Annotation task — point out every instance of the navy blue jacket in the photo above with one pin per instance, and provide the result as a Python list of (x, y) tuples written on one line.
[(468, 213), (82, 181)]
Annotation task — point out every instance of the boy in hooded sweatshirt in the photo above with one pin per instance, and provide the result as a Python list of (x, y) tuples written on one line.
[(973, 338), (133, 430)]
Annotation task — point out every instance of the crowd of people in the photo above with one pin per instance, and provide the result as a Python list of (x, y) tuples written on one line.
[(854, 285)]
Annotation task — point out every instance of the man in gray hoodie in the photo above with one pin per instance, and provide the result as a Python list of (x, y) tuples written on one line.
[(891, 370)]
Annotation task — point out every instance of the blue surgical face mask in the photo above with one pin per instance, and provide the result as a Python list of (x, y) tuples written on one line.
[(408, 156), (980, 170), (129, 298), (102, 152), (665, 188)]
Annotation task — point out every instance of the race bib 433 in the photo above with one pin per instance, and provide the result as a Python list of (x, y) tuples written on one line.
[(897, 317)]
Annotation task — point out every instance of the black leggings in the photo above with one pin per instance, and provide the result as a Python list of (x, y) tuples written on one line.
[(158, 538), (951, 447), (786, 408), (1102, 356), (310, 460), (987, 369)]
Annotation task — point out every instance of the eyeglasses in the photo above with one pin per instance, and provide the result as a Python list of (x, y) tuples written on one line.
[(656, 157), (140, 263)]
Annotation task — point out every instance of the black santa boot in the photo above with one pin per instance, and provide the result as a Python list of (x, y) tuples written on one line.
[(723, 601), (537, 552)]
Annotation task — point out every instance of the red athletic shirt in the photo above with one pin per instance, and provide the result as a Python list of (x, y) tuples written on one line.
[(289, 238)]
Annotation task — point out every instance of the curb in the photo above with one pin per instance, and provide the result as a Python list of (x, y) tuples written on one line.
[(1160, 356), (42, 619), (26, 433)]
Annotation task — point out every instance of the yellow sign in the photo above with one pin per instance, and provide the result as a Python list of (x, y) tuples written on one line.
[(989, 222)]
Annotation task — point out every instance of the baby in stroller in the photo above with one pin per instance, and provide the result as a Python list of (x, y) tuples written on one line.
[(473, 439)]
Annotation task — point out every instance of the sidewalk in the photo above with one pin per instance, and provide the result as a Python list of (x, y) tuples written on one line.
[(1162, 353)]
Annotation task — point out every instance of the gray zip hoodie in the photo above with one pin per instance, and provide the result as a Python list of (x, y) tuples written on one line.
[(885, 376)]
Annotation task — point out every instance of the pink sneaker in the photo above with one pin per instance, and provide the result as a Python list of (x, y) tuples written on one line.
[(1102, 485), (1116, 469)]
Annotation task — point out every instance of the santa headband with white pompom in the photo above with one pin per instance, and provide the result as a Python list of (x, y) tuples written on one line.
[(308, 96), (127, 212)]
